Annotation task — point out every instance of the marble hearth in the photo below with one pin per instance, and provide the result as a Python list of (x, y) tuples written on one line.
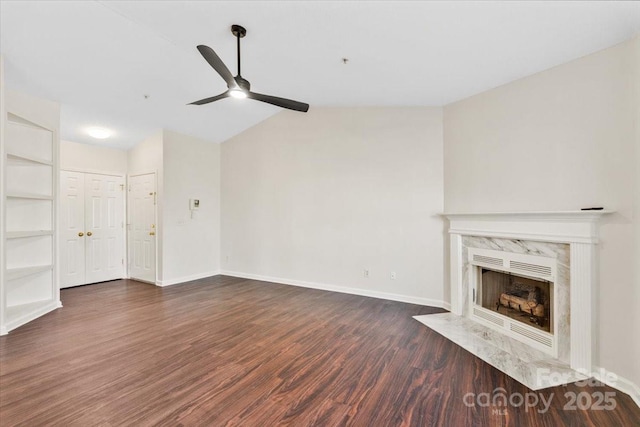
[(567, 240)]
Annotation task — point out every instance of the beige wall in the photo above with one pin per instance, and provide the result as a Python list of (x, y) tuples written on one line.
[(317, 198), (187, 168), (191, 244), (562, 139), (146, 157), (92, 158)]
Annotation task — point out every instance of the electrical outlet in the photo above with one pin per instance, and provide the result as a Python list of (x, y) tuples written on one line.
[(393, 275), (366, 273)]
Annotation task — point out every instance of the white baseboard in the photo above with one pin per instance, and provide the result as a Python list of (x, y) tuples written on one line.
[(341, 289), (622, 384), (183, 279)]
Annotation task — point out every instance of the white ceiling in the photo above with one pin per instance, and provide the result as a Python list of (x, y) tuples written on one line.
[(99, 59)]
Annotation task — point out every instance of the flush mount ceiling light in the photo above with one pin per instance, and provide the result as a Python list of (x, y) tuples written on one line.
[(99, 133), (238, 87)]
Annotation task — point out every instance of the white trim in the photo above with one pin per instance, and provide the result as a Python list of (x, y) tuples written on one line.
[(583, 284), (621, 384), (341, 289), (141, 280), (184, 279), (571, 216), (457, 294), (558, 227)]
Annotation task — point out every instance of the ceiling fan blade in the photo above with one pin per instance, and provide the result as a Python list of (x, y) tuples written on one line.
[(280, 102), (214, 60), (213, 98)]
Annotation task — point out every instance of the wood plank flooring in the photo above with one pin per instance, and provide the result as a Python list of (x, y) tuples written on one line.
[(225, 351)]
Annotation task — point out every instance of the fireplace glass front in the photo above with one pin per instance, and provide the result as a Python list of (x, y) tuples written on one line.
[(524, 299)]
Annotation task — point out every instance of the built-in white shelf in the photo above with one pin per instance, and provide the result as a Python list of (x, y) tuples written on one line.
[(25, 309), (29, 167), (28, 159), (16, 273), (28, 196), (20, 314), (27, 233)]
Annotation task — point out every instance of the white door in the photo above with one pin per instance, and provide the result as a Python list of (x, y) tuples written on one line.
[(104, 227), (142, 227), (72, 232), (92, 228)]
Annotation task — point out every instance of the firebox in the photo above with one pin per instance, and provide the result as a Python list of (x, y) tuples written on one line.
[(520, 298), (514, 293)]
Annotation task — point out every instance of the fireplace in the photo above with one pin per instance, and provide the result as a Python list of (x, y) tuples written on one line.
[(522, 287), (515, 293)]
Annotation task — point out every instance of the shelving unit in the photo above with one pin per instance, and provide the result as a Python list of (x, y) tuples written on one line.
[(18, 272), (27, 233), (29, 283), (28, 196), (16, 158)]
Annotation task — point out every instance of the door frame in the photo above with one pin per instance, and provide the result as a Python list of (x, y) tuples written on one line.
[(128, 251), (125, 201)]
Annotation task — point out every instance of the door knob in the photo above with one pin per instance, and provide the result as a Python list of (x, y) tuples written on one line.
[(89, 233), (80, 234), (152, 233)]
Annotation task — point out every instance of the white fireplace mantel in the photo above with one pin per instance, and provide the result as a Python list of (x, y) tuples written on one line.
[(578, 229), (559, 226)]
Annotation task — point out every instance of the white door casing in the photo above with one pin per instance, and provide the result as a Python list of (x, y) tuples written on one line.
[(142, 227)]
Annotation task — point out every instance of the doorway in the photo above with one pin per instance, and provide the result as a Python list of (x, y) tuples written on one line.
[(142, 227), (91, 228)]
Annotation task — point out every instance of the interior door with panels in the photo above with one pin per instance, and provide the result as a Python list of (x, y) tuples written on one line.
[(142, 227), (104, 227), (72, 229), (93, 228)]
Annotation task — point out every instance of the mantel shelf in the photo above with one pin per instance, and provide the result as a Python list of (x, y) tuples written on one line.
[(577, 216)]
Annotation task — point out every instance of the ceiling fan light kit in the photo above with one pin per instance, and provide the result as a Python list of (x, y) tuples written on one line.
[(238, 87)]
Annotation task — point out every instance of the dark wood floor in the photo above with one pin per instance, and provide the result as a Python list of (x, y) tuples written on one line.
[(227, 351)]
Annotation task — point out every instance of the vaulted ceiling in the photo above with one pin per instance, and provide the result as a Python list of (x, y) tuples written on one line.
[(100, 58)]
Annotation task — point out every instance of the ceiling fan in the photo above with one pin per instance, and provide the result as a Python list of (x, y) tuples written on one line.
[(237, 86)]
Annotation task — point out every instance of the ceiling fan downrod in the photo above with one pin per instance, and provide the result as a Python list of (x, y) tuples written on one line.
[(238, 31)]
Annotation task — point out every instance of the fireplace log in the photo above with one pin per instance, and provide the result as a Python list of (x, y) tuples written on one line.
[(522, 304)]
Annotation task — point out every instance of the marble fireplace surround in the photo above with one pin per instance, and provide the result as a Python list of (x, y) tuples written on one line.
[(568, 236)]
